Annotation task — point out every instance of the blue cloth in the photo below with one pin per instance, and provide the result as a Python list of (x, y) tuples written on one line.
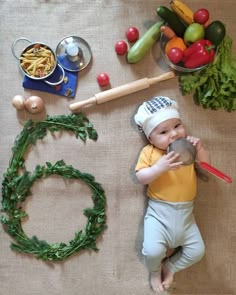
[(66, 63), (66, 88)]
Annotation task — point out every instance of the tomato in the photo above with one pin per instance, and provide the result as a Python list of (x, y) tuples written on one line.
[(132, 34), (121, 47), (201, 16), (103, 79), (175, 55)]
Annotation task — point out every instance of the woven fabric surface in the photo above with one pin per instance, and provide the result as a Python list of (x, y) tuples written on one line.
[(56, 207)]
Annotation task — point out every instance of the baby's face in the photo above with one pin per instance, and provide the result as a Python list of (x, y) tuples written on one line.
[(166, 133)]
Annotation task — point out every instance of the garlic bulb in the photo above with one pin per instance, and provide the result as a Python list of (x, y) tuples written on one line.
[(18, 102)]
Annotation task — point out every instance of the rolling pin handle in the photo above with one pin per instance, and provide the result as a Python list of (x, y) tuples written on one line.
[(77, 105), (163, 77)]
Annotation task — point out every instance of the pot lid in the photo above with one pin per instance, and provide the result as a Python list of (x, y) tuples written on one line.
[(73, 53)]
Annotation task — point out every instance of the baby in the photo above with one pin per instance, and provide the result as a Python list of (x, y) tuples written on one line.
[(171, 188)]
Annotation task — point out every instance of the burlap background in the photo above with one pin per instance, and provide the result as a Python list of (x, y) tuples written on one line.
[(55, 210)]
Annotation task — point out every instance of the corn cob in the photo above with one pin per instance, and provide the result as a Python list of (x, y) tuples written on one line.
[(183, 11)]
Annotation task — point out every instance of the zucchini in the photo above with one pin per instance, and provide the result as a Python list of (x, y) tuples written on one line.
[(172, 20), (144, 43)]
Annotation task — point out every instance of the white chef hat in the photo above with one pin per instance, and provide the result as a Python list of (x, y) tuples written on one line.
[(155, 111)]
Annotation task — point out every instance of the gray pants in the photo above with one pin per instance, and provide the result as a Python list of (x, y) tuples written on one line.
[(170, 225)]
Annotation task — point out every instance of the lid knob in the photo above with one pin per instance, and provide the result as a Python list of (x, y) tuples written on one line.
[(73, 52)]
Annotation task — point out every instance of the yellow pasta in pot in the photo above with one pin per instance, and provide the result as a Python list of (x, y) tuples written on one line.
[(37, 61)]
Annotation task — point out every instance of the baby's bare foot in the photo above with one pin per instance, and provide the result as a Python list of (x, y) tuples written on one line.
[(156, 281), (167, 276)]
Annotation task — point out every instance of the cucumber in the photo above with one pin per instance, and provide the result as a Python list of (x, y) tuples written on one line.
[(172, 19), (144, 43), (215, 32)]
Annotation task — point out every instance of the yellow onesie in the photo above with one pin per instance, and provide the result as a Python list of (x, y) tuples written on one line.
[(173, 186)]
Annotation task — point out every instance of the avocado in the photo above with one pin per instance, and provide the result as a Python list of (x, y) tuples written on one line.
[(215, 32)]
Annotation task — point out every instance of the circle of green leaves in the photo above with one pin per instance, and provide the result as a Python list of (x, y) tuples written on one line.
[(17, 182)]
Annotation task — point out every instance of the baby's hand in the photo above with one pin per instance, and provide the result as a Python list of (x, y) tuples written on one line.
[(195, 141), (168, 162), (202, 154)]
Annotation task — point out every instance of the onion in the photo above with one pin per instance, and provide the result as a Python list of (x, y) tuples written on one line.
[(34, 104), (18, 102)]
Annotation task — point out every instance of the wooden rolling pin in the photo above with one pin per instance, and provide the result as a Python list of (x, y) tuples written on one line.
[(119, 91)]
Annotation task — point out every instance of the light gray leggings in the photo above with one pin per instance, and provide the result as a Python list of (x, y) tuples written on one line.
[(171, 225)]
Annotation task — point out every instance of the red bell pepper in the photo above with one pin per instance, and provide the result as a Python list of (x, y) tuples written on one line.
[(198, 54)]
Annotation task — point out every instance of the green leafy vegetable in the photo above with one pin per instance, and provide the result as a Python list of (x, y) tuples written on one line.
[(17, 183), (215, 86)]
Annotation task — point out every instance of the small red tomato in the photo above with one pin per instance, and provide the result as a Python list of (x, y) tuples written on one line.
[(132, 34), (201, 16), (121, 47), (103, 79), (175, 55)]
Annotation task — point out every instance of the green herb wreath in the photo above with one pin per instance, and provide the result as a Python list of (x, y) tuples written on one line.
[(17, 183)]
